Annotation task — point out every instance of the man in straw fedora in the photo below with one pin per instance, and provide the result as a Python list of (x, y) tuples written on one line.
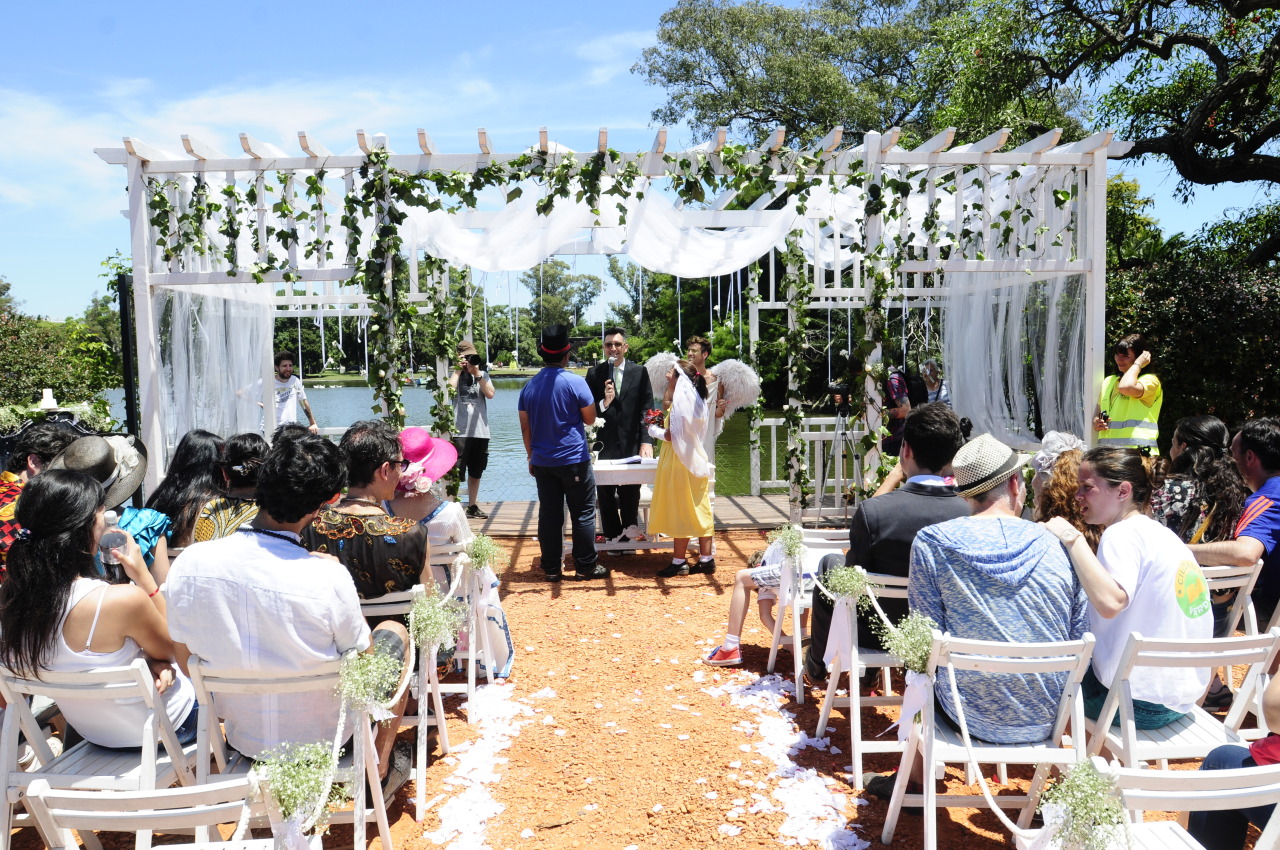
[(994, 576)]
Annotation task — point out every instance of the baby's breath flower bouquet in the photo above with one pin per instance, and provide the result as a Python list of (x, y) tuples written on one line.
[(1083, 812), (850, 582), (791, 538), (484, 551), (435, 621), (301, 780), (367, 682), (910, 641)]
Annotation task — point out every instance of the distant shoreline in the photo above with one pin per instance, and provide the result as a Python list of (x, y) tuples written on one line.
[(355, 379)]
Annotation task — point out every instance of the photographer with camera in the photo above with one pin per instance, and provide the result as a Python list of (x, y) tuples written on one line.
[(472, 388)]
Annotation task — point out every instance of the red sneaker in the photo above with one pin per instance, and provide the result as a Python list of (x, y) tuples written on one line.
[(721, 657)]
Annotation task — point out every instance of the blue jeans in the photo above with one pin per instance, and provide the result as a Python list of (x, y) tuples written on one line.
[(1227, 829), (1146, 715), (574, 485)]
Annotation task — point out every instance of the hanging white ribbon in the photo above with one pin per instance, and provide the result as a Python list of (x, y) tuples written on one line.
[(840, 636)]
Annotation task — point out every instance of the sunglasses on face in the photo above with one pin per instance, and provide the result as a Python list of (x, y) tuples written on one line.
[(403, 463), (614, 344)]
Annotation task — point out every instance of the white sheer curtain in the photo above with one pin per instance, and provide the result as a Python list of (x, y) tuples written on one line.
[(214, 342), (1012, 345)]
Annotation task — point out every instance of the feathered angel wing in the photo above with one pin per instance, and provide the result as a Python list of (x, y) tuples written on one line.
[(657, 366), (739, 385)]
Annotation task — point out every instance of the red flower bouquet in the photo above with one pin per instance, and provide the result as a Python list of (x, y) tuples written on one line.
[(652, 417)]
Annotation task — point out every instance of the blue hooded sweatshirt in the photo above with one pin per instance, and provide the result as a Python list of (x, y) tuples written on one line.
[(1006, 579)]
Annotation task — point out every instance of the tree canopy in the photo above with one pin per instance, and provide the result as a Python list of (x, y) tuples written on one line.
[(1191, 81)]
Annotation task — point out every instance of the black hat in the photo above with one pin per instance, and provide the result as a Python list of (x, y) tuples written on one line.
[(554, 341)]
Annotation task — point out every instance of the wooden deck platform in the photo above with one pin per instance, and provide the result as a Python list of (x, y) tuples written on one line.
[(520, 519)]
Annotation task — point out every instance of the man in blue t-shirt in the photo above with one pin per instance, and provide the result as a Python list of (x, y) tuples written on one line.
[(553, 408), (1256, 449)]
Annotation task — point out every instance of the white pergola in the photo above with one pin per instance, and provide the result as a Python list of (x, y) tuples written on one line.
[(975, 219)]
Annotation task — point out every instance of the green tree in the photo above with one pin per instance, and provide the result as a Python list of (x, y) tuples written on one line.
[(66, 358), (101, 321), (7, 302), (754, 66), (1189, 81), (558, 295)]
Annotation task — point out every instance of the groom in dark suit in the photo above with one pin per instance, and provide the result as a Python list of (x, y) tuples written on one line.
[(622, 393)]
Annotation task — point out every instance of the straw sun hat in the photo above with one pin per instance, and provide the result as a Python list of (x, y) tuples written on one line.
[(117, 461), (984, 463)]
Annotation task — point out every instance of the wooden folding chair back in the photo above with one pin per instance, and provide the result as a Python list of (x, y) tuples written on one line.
[(1196, 733), (323, 681), (159, 762), (198, 808), (938, 744)]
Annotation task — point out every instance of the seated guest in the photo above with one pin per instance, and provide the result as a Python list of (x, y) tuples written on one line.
[(383, 553), (58, 615), (1056, 480), (36, 446), (994, 576), (119, 463), (883, 528), (189, 483), (420, 495), (1143, 579), (258, 600), (1202, 496), (1227, 829), (1256, 451), (238, 468)]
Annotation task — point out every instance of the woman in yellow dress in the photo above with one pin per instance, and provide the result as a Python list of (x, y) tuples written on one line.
[(681, 507)]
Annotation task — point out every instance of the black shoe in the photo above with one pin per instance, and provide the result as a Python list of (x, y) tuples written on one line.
[(672, 570), (401, 762), (880, 785), (703, 568), (474, 512), (553, 577), (599, 571), (1218, 701)]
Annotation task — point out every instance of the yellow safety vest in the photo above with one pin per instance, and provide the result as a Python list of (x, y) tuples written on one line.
[(1133, 420)]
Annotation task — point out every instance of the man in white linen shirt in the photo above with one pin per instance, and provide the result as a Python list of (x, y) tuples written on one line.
[(258, 601)]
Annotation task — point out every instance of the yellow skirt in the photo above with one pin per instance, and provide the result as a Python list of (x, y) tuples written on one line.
[(681, 504)]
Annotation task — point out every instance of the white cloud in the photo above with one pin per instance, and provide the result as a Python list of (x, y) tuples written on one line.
[(612, 55)]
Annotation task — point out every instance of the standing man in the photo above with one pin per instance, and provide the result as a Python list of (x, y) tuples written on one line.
[(622, 392), (289, 392), (897, 404), (1128, 411), (1256, 449), (472, 388), (553, 407)]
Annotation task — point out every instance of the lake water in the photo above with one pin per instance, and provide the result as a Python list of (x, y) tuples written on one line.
[(507, 478)]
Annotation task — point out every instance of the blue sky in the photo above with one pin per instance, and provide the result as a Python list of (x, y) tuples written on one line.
[(80, 76)]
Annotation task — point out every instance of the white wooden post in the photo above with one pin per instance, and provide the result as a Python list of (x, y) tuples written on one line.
[(150, 415), (1095, 310)]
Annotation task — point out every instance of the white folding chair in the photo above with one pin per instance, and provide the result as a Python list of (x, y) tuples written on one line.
[(794, 598), (1145, 789), (1240, 579), (198, 808), (1198, 732), (211, 684), (87, 766), (937, 744), (428, 686), (854, 660), (464, 583)]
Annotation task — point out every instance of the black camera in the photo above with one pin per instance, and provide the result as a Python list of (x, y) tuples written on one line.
[(840, 398), (474, 360)]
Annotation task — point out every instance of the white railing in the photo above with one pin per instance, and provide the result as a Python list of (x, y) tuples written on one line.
[(827, 447)]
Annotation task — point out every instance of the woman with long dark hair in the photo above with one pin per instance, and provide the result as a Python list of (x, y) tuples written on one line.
[(681, 505), (189, 483), (57, 614), (237, 503), (1142, 579), (1202, 496)]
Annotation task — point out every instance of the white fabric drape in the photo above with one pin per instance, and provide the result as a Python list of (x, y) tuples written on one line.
[(214, 340), (688, 427), (1003, 336)]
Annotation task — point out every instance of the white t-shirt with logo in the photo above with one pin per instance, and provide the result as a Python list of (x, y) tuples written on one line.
[(288, 394), (1168, 598)]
